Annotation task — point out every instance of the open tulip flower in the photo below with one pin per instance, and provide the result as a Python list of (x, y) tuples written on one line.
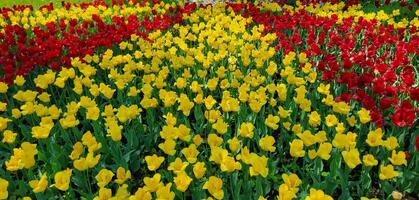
[(138, 100)]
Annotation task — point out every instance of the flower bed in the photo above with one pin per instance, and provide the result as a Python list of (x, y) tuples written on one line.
[(223, 101)]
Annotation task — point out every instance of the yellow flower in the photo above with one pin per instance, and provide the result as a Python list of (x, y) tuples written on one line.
[(170, 119), (267, 143), (398, 158), (44, 97), (321, 136), (114, 130), (296, 148), (44, 80), (318, 195), (3, 89), (41, 132), (154, 162), (180, 83), (351, 121), (199, 99), (228, 164), (182, 181), (104, 194), (212, 84), (282, 92), (152, 184), (351, 158), (331, 120), (168, 97), (54, 112), (307, 138), (122, 175), (229, 104), (364, 116), (132, 92), (141, 194), (212, 115), (391, 143), (214, 185), (92, 113), (341, 107), (177, 166), (164, 192), (220, 126), (184, 133), (25, 96), (323, 89), (387, 172), (324, 151), (90, 141), (312, 154), (218, 154), (3, 106), (69, 121), (80, 164), (272, 122), (185, 105), (28, 108), (292, 181), (258, 166), (374, 138), (16, 113), (168, 147), (3, 123), (23, 157), (285, 193), (199, 170), (62, 179), (233, 144), (369, 160), (246, 130), (314, 119), (9, 136), (4, 184), (283, 113), (19, 80), (106, 91), (197, 140), (340, 128), (302, 57), (39, 185), (340, 141), (104, 177), (328, 100), (195, 87)]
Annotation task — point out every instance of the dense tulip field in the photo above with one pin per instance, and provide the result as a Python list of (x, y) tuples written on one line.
[(157, 100)]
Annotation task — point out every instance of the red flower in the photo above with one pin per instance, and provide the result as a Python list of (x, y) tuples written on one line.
[(386, 102), (414, 94), (408, 76), (405, 114)]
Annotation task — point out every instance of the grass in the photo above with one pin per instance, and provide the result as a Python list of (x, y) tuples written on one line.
[(35, 3)]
